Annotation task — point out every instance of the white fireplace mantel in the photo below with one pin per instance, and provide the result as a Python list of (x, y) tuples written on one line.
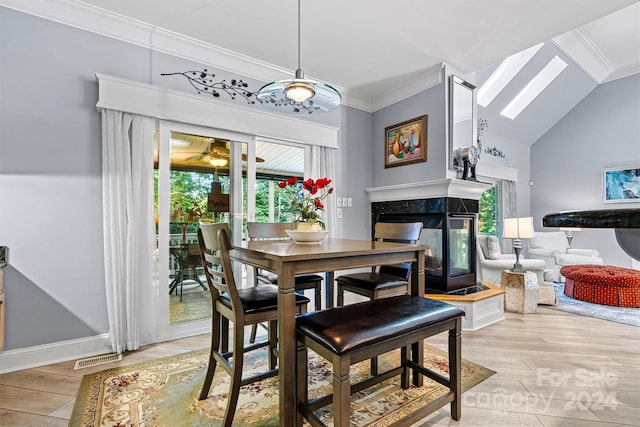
[(457, 188)]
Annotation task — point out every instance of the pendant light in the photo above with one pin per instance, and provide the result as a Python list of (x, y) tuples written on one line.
[(299, 95)]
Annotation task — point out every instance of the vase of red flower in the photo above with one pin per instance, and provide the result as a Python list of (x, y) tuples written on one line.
[(308, 203)]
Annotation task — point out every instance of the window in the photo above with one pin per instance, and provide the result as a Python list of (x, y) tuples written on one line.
[(488, 217)]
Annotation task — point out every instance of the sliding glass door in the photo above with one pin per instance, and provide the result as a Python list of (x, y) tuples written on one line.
[(203, 174)]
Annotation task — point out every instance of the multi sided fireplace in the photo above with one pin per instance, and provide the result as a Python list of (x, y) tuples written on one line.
[(449, 232)]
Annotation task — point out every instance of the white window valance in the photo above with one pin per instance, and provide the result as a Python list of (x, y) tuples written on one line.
[(153, 101)]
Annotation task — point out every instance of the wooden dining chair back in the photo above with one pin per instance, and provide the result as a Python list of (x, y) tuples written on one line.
[(243, 307), (277, 231), (385, 280)]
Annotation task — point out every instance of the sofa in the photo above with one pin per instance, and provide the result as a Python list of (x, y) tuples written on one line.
[(492, 262), (553, 248)]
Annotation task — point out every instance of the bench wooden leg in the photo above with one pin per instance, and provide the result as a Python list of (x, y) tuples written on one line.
[(404, 379), (417, 355), (341, 392), (455, 366)]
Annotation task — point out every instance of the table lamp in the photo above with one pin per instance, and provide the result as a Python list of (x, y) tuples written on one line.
[(569, 232), (516, 229)]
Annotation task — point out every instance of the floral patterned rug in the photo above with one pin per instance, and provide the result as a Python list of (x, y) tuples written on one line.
[(164, 392)]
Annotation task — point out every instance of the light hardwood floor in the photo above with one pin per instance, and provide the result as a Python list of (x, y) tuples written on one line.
[(553, 369)]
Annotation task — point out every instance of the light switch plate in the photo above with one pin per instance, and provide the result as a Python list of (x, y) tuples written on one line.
[(349, 202), (344, 202), (339, 202), (339, 213)]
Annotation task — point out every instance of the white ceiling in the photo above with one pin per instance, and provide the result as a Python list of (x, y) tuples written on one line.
[(370, 47)]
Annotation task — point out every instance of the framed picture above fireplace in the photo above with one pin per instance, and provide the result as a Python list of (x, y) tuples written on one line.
[(406, 142)]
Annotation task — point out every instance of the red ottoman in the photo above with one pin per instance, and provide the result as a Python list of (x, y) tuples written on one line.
[(602, 284)]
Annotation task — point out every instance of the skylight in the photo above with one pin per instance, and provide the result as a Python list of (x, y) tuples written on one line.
[(534, 87), (501, 77)]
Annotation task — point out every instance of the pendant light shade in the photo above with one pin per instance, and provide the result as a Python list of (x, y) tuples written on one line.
[(299, 90), (299, 95)]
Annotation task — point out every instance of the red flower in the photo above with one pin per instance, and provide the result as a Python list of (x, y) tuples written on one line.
[(309, 206), (323, 182)]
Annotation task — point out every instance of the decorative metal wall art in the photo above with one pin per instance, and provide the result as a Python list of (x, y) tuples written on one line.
[(493, 151), (205, 82)]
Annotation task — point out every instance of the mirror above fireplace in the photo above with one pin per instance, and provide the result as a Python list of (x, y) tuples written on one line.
[(462, 116)]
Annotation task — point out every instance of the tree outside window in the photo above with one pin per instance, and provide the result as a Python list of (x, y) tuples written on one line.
[(488, 215)]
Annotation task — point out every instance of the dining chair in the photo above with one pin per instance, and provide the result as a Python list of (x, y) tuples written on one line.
[(277, 231), (189, 267), (386, 280), (243, 307)]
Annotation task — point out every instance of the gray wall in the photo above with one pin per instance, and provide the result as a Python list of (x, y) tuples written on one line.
[(50, 170), (516, 155), (355, 172), (602, 131), (430, 102)]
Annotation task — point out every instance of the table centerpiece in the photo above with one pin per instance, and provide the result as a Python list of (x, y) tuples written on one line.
[(308, 206)]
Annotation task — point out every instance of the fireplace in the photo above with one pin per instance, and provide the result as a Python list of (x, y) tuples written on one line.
[(449, 232)]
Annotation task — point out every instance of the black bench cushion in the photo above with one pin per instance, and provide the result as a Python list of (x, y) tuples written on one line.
[(346, 328), (260, 298)]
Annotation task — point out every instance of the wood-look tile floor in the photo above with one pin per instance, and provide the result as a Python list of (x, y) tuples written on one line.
[(553, 369)]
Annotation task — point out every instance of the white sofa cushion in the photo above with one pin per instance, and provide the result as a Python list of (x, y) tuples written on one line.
[(494, 248), (550, 240)]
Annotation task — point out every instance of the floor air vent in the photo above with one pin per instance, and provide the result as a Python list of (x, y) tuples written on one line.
[(97, 360)]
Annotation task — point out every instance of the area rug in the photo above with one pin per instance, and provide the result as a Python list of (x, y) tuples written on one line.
[(626, 315), (164, 392)]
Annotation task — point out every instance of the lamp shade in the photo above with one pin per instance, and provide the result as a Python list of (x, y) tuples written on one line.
[(518, 228)]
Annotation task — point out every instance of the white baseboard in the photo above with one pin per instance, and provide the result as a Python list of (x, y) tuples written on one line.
[(46, 354)]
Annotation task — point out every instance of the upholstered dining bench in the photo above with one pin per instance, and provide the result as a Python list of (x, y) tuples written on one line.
[(352, 333)]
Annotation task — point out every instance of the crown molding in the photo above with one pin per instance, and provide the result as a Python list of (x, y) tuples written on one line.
[(583, 51), (103, 22), (433, 76)]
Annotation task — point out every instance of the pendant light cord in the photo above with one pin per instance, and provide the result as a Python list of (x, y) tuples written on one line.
[(298, 34)]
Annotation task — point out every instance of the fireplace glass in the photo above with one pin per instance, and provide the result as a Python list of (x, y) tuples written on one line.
[(449, 257), (459, 241), (432, 237)]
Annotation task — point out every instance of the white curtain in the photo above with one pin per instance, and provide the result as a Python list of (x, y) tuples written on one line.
[(508, 209), (323, 165), (127, 190)]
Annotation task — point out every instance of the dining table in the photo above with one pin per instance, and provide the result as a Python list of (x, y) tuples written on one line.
[(287, 258)]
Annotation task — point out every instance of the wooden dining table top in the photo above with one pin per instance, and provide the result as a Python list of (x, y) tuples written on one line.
[(327, 248)]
